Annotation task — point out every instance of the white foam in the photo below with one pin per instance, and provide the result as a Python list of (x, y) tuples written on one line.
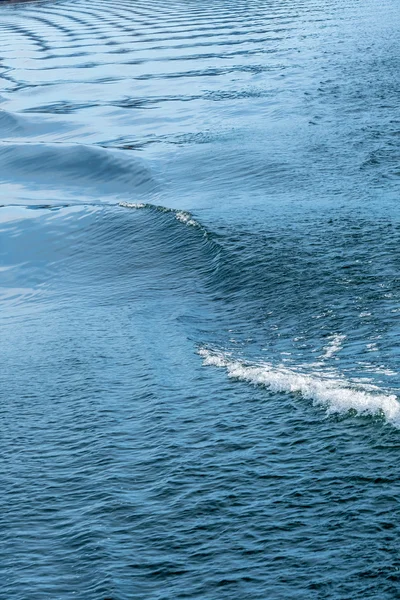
[(185, 217), (334, 394), (132, 204), (372, 347), (335, 344)]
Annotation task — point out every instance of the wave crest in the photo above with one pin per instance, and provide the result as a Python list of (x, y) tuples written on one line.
[(180, 215), (337, 396)]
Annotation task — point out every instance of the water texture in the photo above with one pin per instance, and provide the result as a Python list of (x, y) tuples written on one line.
[(200, 300)]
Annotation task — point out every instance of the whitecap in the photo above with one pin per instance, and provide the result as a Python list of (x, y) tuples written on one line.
[(132, 204), (335, 394), (185, 217), (335, 344)]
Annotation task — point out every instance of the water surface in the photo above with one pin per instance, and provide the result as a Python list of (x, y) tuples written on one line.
[(199, 277)]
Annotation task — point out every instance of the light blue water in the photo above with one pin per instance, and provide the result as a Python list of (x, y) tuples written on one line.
[(200, 300)]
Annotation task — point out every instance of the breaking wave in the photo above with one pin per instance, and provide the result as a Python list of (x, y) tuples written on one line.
[(336, 395)]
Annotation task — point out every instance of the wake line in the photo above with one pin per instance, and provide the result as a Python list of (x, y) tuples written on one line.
[(335, 395)]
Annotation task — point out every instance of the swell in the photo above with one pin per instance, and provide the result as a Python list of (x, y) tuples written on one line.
[(263, 304), (73, 169), (266, 297), (102, 253)]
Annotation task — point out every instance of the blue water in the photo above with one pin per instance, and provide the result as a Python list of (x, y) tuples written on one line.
[(200, 300)]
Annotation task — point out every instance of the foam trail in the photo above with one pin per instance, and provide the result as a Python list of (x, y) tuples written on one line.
[(334, 394)]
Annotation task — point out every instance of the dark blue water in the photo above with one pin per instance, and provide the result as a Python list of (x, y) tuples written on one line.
[(200, 300)]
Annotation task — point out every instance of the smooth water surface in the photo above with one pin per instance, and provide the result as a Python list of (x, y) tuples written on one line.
[(200, 300)]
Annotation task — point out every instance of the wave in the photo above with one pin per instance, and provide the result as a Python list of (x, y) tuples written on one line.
[(9, 123), (92, 170), (272, 292), (17, 126), (181, 215), (240, 282), (336, 395), (114, 247)]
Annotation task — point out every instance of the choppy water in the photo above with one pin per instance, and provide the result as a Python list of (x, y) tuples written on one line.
[(200, 299)]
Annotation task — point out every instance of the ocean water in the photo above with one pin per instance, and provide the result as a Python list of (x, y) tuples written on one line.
[(200, 300)]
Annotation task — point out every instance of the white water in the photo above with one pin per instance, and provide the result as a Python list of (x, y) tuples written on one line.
[(334, 394)]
